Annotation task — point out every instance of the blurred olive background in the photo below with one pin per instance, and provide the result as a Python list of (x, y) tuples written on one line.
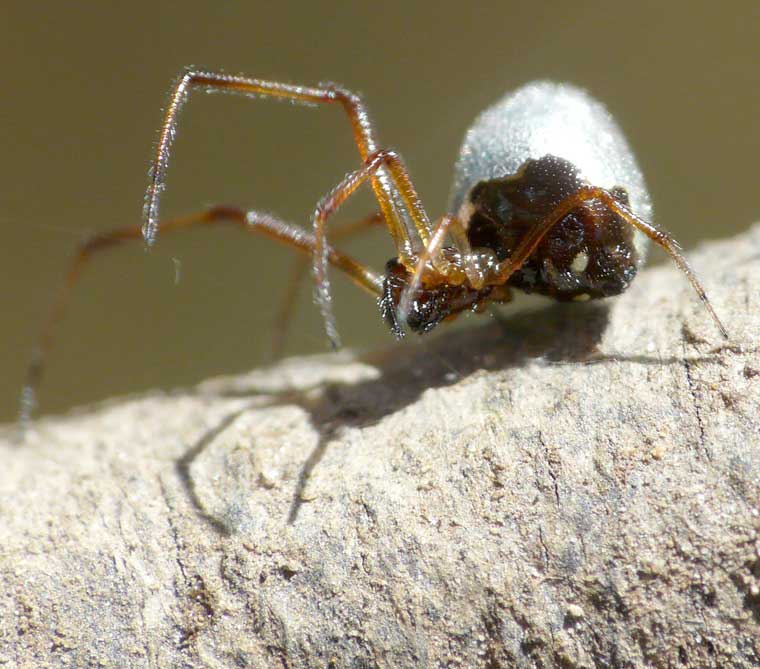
[(84, 85)]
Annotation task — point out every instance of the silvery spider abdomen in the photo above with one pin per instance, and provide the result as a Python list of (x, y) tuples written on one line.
[(546, 161)]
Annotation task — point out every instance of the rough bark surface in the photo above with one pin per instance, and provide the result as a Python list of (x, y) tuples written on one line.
[(574, 487)]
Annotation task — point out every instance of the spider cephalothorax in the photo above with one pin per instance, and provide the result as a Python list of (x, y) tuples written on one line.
[(429, 306)]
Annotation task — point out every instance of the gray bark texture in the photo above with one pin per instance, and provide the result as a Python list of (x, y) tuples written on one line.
[(577, 486)]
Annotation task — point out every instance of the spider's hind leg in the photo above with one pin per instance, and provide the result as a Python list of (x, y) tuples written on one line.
[(250, 221)]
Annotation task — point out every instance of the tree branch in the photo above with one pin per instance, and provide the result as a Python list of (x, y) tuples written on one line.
[(574, 487)]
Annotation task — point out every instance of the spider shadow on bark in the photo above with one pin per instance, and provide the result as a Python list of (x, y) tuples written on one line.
[(557, 334)]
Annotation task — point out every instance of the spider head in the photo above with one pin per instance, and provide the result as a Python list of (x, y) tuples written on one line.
[(428, 307)]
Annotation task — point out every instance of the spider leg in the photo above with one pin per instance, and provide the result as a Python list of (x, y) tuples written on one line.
[(331, 202), (430, 252), (398, 221), (299, 268), (533, 238), (671, 247), (465, 267), (251, 221)]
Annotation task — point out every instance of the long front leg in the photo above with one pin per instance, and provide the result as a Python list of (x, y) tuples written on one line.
[(408, 238), (331, 202), (299, 270)]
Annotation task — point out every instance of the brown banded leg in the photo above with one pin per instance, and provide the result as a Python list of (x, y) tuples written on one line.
[(465, 266), (251, 221), (407, 238), (423, 264), (331, 202), (300, 268), (670, 246), (533, 238)]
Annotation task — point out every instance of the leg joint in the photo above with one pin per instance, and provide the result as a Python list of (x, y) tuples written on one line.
[(384, 156), (191, 77), (343, 95)]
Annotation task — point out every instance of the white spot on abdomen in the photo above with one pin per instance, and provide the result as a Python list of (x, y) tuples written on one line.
[(580, 263)]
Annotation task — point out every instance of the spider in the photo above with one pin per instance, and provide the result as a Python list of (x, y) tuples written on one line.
[(547, 199)]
